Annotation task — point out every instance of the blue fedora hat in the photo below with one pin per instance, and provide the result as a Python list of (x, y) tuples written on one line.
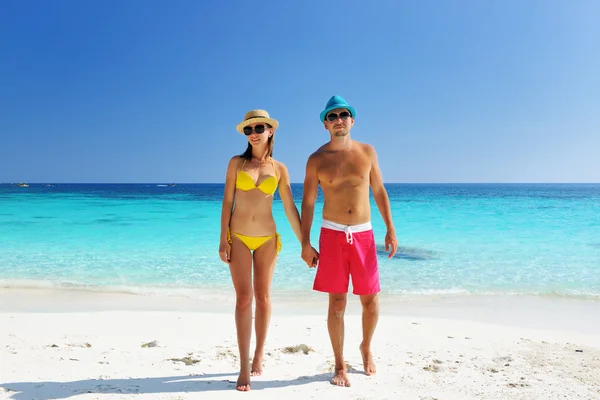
[(337, 102)]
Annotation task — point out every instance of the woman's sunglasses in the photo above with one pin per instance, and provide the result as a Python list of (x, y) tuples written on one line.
[(258, 129), (333, 116)]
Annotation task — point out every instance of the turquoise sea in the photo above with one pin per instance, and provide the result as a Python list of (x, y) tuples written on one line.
[(541, 239)]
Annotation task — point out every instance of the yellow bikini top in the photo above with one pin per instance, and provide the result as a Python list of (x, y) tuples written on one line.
[(245, 182)]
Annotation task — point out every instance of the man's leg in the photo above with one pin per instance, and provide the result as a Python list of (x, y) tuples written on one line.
[(335, 325), (370, 316)]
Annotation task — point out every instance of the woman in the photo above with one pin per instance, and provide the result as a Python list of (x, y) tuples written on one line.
[(249, 239)]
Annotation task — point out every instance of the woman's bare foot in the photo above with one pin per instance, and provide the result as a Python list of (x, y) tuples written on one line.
[(341, 378), (368, 362), (243, 382), (257, 365)]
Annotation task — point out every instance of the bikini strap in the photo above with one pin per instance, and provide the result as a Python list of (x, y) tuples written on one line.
[(274, 168)]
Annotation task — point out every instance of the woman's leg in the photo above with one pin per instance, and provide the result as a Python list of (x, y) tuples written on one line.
[(241, 274), (264, 266)]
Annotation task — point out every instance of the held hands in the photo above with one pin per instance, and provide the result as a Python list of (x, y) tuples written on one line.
[(310, 256), (225, 251), (391, 243)]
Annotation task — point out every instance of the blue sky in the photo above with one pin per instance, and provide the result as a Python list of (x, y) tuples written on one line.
[(446, 91)]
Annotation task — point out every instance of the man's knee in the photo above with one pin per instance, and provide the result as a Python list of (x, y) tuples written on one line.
[(370, 303), (337, 304)]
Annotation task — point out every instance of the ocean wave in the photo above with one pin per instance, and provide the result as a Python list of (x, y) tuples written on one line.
[(223, 291), (160, 291)]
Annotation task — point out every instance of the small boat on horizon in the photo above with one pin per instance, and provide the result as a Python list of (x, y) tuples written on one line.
[(22, 184)]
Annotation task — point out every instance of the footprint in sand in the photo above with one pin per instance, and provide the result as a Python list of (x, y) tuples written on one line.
[(83, 345), (297, 349), (432, 368), (516, 385), (503, 360), (188, 360), (226, 354), (329, 366)]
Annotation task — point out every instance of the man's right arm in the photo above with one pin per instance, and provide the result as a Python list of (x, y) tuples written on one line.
[(309, 197)]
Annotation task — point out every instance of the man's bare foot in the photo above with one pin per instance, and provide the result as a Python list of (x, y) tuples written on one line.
[(368, 362), (340, 378), (257, 365), (243, 382)]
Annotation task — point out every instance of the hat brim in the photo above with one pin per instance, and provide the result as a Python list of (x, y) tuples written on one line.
[(273, 122), (336, 106)]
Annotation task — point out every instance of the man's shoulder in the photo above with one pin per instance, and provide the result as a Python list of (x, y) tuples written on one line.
[(362, 145), (365, 148), (319, 152)]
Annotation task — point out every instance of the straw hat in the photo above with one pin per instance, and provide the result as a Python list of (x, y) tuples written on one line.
[(254, 116)]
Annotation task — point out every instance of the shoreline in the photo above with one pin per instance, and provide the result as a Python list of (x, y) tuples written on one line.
[(526, 311), (196, 292)]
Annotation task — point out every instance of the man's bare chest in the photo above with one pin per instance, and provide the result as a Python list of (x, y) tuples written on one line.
[(337, 168)]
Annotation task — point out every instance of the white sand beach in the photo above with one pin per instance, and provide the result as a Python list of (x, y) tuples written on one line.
[(63, 345)]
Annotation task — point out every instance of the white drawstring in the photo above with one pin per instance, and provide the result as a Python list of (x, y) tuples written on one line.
[(348, 229), (349, 234)]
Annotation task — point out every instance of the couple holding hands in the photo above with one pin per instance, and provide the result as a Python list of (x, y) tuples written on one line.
[(345, 169)]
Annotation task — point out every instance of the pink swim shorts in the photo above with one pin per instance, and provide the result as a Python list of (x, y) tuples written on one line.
[(344, 251)]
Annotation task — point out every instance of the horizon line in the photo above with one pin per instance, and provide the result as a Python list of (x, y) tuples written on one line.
[(300, 183)]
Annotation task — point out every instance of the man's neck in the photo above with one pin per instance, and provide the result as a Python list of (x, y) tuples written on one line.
[(340, 142)]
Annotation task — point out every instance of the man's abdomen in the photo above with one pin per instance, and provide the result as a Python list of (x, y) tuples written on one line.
[(347, 211)]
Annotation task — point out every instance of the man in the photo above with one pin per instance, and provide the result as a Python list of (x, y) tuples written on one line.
[(345, 169)]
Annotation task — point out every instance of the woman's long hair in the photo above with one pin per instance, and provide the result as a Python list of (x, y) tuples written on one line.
[(247, 155)]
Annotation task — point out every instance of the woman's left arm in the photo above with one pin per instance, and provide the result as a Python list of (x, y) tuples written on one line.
[(285, 192)]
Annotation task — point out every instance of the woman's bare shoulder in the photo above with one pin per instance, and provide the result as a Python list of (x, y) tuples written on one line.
[(279, 166)]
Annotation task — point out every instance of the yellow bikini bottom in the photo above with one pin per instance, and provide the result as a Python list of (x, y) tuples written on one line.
[(254, 242)]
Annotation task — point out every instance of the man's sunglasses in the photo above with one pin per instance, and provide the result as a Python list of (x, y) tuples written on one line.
[(333, 116), (258, 129)]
